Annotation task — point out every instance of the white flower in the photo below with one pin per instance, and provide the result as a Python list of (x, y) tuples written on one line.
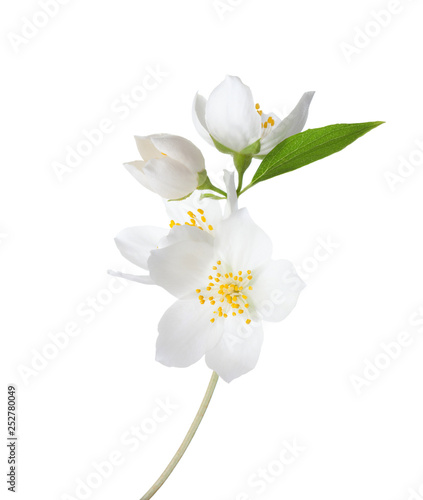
[(136, 243), (171, 166), (231, 117), (225, 283)]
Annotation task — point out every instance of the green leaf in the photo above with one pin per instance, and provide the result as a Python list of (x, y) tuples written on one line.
[(309, 146)]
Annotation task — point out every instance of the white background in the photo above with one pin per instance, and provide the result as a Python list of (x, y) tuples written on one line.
[(57, 234)]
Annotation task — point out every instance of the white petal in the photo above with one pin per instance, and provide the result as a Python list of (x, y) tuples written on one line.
[(180, 149), (231, 116), (145, 280), (185, 233), (241, 245), (276, 288), (199, 117), (292, 124), (136, 243), (182, 268), (164, 176), (178, 211), (186, 334), (237, 352), (146, 148)]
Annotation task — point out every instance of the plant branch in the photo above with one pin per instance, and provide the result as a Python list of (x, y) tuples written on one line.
[(188, 438)]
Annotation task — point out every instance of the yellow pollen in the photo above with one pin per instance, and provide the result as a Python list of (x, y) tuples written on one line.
[(212, 320), (203, 218), (230, 293), (210, 227), (257, 106), (248, 321), (191, 215), (200, 211)]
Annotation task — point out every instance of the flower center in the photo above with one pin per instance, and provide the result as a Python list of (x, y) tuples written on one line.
[(266, 124), (227, 292), (195, 220)]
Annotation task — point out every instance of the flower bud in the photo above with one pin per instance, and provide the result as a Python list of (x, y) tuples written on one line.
[(171, 166)]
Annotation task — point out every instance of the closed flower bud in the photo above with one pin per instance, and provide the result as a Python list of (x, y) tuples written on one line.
[(171, 166)]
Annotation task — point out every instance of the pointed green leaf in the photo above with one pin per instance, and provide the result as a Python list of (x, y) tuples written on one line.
[(309, 146)]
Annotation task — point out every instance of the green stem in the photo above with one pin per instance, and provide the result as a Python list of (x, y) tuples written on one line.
[(245, 189), (188, 438), (240, 180), (209, 185)]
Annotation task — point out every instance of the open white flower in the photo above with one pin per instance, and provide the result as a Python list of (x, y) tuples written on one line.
[(226, 284), (171, 166), (232, 118), (136, 243)]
